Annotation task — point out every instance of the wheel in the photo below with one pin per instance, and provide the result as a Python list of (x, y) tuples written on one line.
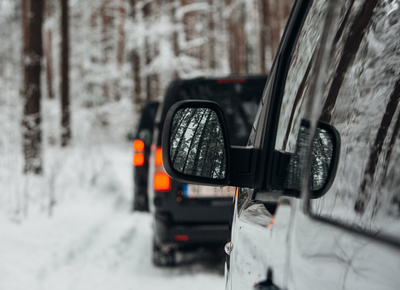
[(163, 256)]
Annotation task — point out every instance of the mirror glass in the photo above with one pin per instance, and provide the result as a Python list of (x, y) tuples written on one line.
[(321, 159), (322, 153), (197, 145)]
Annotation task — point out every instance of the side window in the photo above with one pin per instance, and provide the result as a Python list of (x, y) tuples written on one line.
[(359, 95), (299, 77), (361, 100), (256, 134)]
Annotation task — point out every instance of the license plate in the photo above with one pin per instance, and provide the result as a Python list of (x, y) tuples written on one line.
[(196, 191)]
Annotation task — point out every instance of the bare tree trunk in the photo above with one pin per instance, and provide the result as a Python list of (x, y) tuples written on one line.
[(65, 108), (146, 13), (106, 23), (25, 26), (273, 18), (151, 79), (48, 52), (274, 26), (263, 35), (189, 24), (121, 34), (237, 38), (175, 34), (221, 39), (231, 40), (211, 36), (120, 47), (33, 52), (135, 63), (241, 39), (93, 28)]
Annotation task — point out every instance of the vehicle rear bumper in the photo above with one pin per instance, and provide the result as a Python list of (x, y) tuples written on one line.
[(204, 234)]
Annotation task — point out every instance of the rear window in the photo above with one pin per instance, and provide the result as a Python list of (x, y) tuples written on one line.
[(148, 115), (238, 97)]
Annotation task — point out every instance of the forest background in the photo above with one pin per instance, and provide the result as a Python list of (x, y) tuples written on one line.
[(74, 76)]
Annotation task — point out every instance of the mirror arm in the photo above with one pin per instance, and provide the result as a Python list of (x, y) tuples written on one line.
[(242, 166), (280, 165)]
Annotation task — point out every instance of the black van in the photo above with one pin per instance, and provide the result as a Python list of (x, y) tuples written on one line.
[(141, 153), (318, 199), (190, 215)]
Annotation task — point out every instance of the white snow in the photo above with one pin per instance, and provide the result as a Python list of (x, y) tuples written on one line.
[(93, 241)]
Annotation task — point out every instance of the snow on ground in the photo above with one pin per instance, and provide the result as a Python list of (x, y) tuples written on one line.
[(93, 241)]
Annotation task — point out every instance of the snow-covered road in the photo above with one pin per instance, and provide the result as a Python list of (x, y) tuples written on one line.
[(93, 241), (93, 245)]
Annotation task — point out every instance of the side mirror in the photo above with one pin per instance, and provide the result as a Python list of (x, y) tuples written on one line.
[(288, 177), (324, 159), (195, 144)]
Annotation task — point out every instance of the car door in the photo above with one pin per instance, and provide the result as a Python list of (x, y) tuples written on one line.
[(349, 78), (261, 230)]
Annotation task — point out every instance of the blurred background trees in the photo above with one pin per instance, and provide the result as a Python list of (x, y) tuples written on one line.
[(74, 69), (136, 47)]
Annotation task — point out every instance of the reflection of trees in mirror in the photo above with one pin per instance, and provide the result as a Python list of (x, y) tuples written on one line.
[(197, 143), (321, 159), (322, 154)]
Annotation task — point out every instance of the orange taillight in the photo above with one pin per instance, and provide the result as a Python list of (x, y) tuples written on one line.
[(138, 145), (162, 182), (138, 159), (158, 157), (138, 155)]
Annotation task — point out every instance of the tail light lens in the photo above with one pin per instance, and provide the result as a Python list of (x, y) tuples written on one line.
[(138, 156), (158, 157), (138, 145), (162, 182), (138, 159)]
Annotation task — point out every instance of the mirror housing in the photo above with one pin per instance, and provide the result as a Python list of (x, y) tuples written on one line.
[(188, 130), (289, 168), (324, 159)]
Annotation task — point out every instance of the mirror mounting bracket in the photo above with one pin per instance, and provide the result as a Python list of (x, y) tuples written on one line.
[(242, 167)]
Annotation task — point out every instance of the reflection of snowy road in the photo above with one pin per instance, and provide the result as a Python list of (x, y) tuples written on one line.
[(93, 245)]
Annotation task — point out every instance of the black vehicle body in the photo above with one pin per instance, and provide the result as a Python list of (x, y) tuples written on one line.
[(318, 198), (142, 140), (182, 221)]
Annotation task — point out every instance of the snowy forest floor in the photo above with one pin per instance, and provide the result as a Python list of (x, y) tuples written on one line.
[(93, 241)]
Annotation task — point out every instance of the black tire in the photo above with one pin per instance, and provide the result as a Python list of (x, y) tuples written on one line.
[(163, 257)]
